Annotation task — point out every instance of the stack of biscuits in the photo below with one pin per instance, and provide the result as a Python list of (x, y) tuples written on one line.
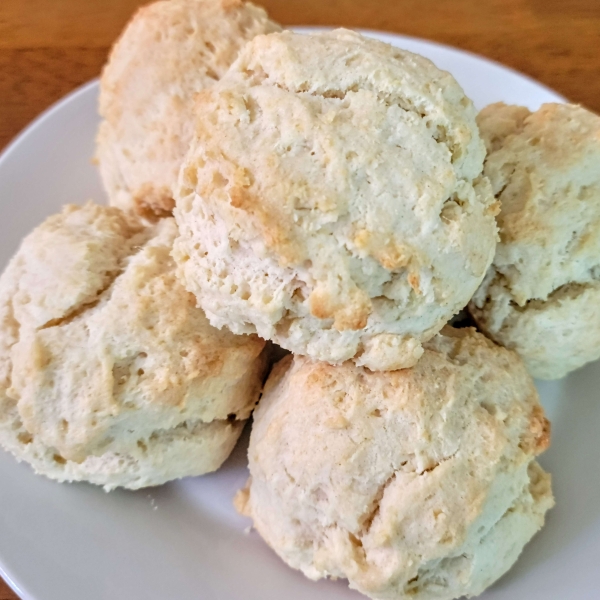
[(338, 198)]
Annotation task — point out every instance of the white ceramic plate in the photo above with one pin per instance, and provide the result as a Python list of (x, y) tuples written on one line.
[(184, 541)]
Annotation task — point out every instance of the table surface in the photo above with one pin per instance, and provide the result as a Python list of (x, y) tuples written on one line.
[(48, 47)]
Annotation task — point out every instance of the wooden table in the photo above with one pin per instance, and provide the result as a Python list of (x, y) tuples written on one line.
[(48, 47)]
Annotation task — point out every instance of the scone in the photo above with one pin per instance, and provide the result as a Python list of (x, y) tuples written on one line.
[(108, 371), (542, 292), (169, 51), (331, 201), (414, 484)]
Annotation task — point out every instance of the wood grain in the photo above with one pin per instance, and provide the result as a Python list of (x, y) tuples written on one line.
[(6, 593), (48, 47)]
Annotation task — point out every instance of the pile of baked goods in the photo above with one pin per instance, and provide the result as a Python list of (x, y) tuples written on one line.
[(340, 198)]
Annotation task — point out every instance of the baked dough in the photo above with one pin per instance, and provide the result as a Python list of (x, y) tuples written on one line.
[(542, 292), (109, 372), (169, 51), (331, 201), (413, 484)]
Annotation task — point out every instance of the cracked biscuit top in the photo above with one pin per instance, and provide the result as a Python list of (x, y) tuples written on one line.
[(332, 199), (541, 293), (104, 354), (417, 483)]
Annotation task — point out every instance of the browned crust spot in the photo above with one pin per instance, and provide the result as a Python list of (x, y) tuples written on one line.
[(280, 239), (390, 255), (538, 438), (350, 315), (153, 203), (231, 4), (493, 209), (414, 281)]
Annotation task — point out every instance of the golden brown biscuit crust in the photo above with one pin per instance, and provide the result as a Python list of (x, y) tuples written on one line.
[(417, 483), (109, 372), (332, 201), (169, 51), (541, 292)]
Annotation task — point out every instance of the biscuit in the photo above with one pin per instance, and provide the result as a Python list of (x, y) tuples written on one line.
[(109, 372), (541, 294), (412, 484), (331, 201), (168, 52)]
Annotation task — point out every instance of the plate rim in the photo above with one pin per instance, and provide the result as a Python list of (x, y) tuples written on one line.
[(46, 114)]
